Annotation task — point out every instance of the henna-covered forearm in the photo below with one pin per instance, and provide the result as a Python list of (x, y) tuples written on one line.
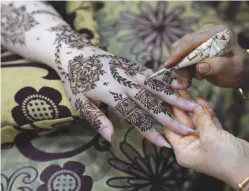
[(37, 32)]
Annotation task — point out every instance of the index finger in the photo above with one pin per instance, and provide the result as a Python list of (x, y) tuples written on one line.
[(189, 42)]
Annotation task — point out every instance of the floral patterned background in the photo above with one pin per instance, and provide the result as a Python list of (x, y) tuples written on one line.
[(75, 157)]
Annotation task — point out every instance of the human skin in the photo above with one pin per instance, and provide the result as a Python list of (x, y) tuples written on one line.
[(230, 69), (89, 74), (214, 151)]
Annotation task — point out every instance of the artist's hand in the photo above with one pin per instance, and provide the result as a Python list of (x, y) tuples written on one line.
[(228, 70), (215, 152)]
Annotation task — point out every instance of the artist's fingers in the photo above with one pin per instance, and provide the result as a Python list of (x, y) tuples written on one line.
[(189, 42), (210, 110), (185, 94), (186, 115), (158, 109), (163, 91), (180, 79), (203, 120), (94, 116), (135, 115), (211, 66), (176, 139)]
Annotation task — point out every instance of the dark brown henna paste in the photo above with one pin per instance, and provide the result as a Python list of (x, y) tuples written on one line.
[(130, 68), (90, 112), (15, 22), (153, 103), (159, 86), (84, 73), (132, 112), (120, 79), (65, 34)]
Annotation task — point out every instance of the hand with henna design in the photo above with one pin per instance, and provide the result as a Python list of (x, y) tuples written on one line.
[(90, 75)]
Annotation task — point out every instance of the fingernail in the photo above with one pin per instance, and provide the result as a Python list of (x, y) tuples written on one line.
[(176, 85), (162, 141), (192, 104), (187, 129), (106, 133), (204, 68), (167, 63)]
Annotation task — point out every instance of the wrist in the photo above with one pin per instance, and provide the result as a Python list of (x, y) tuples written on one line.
[(239, 170)]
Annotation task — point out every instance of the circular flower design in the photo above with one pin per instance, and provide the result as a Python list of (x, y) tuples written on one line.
[(83, 73), (68, 178), (156, 170), (37, 106)]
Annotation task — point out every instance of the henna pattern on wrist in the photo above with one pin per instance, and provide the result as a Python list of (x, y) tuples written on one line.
[(15, 22), (65, 34), (84, 73), (132, 112), (159, 86), (90, 112), (153, 103)]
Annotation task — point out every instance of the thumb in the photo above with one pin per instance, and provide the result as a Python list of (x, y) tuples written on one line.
[(211, 66)]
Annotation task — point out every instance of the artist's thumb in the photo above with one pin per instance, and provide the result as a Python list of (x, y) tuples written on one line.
[(210, 66)]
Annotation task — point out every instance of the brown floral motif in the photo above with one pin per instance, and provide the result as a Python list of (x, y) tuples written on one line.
[(84, 73), (36, 106), (129, 67), (15, 22), (65, 34), (67, 178)]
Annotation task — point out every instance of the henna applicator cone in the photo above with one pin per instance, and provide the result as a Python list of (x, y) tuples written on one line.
[(210, 48)]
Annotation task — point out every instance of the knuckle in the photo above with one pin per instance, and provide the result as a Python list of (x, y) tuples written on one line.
[(189, 38), (174, 45), (208, 25)]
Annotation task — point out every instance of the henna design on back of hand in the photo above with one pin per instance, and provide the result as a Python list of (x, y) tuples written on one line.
[(121, 80), (130, 68), (159, 86), (84, 73), (132, 112), (65, 34)]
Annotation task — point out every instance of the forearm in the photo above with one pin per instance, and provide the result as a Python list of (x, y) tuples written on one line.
[(37, 32)]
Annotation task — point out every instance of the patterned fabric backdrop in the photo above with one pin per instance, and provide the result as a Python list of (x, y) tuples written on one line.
[(45, 147)]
